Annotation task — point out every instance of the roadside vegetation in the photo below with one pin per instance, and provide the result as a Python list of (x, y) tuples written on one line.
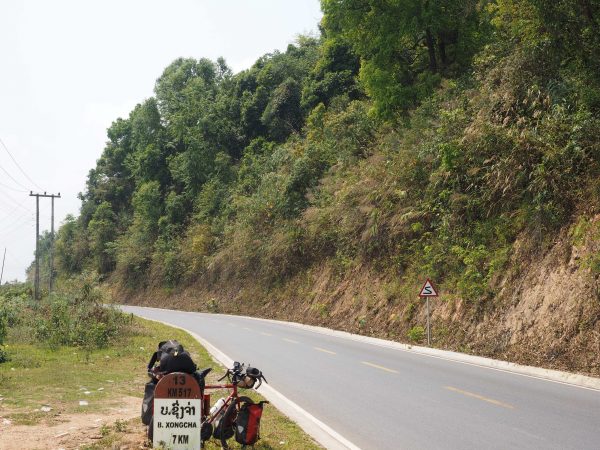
[(68, 349), (454, 140)]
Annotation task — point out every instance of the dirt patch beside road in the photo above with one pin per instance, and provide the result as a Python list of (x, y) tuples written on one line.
[(74, 431)]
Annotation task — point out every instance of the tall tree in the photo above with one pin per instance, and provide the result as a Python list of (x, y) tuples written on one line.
[(405, 45)]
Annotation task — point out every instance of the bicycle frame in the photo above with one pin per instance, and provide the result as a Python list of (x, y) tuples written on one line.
[(210, 418), (207, 417)]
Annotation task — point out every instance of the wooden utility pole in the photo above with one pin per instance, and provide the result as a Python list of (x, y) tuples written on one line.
[(52, 246), (2, 272), (37, 241)]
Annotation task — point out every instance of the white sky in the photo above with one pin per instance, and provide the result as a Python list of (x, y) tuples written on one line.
[(69, 68)]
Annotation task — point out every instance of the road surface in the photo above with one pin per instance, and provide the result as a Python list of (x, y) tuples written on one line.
[(383, 398)]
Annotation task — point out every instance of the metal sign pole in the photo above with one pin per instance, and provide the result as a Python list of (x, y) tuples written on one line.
[(428, 328), (428, 291)]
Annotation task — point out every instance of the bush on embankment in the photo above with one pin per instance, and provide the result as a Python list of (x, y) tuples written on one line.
[(73, 316)]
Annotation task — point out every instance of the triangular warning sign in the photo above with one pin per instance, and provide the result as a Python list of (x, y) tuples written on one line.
[(428, 290)]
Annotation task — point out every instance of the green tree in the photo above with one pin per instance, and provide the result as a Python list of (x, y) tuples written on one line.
[(148, 207), (334, 74), (282, 115), (102, 233), (71, 247), (405, 45)]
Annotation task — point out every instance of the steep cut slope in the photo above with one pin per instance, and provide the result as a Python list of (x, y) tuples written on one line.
[(325, 183)]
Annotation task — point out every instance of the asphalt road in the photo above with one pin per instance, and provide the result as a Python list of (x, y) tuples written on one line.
[(383, 398)]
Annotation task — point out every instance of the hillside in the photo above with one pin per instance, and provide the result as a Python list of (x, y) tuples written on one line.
[(453, 140)]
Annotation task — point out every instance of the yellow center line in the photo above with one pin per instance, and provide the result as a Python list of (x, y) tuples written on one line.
[(324, 351), (290, 340), (480, 397), (265, 334), (379, 367)]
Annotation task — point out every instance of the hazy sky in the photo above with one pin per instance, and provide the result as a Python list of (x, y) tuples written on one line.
[(69, 68)]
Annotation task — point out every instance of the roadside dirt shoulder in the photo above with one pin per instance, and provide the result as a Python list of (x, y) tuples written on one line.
[(74, 431)]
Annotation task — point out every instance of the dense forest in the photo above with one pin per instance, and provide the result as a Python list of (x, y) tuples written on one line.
[(456, 140)]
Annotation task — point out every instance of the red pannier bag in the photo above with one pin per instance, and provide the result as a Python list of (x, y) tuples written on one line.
[(247, 423)]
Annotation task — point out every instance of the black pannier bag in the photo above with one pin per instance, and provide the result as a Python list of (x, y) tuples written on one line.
[(223, 426), (171, 358), (175, 361), (247, 423), (148, 403)]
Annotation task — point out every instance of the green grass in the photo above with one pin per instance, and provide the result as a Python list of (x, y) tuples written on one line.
[(37, 376)]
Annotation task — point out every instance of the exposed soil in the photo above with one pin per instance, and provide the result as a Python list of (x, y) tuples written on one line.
[(73, 431), (546, 311)]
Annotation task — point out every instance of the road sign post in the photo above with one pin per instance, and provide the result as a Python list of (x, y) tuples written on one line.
[(428, 325), (428, 290), (177, 403)]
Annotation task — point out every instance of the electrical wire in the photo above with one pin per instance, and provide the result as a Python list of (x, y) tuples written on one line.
[(14, 202), (10, 256), (19, 167), (7, 205), (12, 188), (8, 252), (18, 219), (12, 178), (19, 227), (8, 214)]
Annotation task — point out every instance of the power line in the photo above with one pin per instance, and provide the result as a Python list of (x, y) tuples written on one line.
[(12, 188), (25, 225), (17, 260), (9, 213), (14, 222), (14, 202), (12, 178), (17, 164), (19, 238), (19, 227), (6, 206)]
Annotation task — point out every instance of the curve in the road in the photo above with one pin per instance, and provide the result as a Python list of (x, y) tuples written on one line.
[(322, 433), (380, 398)]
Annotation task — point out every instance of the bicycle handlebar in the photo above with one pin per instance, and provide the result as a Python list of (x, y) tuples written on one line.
[(237, 374)]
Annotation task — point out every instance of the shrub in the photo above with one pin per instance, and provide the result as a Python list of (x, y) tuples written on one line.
[(416, 334), (3, 325), (74, 316), (80, 322), (11, 312)]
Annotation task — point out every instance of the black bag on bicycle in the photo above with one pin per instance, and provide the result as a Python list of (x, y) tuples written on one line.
[(247, 424), (223, 429), (177, 362), (148, 403), (172, 358)]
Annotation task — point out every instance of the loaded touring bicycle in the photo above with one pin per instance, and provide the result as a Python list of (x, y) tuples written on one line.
[(177, 402)]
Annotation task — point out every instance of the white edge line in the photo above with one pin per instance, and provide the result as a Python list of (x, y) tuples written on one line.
[(323, 434), (555, 376)]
